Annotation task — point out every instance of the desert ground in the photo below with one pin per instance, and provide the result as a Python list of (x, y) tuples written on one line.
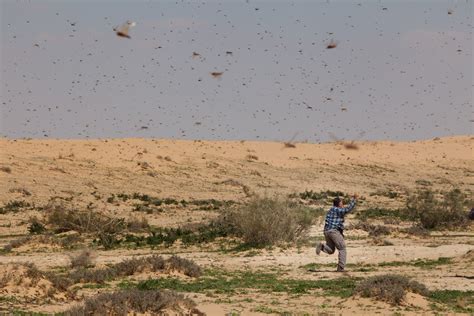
[(194, 183)]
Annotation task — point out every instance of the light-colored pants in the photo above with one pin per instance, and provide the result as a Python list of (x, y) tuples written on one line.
[(335, 240)]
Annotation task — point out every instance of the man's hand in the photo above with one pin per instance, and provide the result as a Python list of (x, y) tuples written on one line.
[(355, 196)]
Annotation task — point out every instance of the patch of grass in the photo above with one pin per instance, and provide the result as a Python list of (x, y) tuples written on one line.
[(214, 281), (459, 301), (383, 213), (188, 236), (389, 288), (420, 263)]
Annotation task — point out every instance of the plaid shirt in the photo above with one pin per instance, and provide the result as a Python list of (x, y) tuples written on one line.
[(335, 216)]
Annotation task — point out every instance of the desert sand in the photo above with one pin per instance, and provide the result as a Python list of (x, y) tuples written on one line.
[(85, 172)]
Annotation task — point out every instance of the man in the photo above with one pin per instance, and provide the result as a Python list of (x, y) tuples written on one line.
[(334, 231)]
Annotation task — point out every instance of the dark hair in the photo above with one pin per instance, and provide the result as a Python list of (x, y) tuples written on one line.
[(336, 201)]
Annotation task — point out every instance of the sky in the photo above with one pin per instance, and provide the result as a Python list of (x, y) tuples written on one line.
[(401, 70)]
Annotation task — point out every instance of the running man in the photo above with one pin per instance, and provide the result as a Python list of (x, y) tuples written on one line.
[(334, 231)]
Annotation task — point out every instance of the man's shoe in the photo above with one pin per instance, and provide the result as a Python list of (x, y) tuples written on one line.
[(319, 247)]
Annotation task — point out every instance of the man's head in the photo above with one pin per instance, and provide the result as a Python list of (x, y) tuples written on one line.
[(337, 202)]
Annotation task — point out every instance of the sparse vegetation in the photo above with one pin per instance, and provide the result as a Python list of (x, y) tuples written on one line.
[(383, 213), (389, 288), (135, 265), (439, 213), (373, 230), (218, 281), (62, 219), (14, 206), (16, 243), (323, 196), (459, 301)]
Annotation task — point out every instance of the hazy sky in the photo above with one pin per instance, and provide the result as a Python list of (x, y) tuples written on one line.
[(401, 69)]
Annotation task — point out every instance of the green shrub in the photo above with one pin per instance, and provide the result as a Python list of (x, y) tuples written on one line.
[(265, 221), (36, 227), (438, 213)]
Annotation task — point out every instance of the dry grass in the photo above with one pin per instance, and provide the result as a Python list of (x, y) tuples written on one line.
[(185, 266), (62, 219), (390, 288), (133, 266), (16, 243), (133, 301)]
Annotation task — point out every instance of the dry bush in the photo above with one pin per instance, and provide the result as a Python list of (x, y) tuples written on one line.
[(22, 191), (185, 266), (6, 169), (138, 225), (416, 230), (16, 243), (133, 301), (390, 288), (62, 219), (439, 213), (135, 265), (84, 259), (373, 230), (267, 221)]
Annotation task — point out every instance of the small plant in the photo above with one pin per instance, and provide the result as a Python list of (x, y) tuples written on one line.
[(389, 288), (36, 227), (187, 267), (82, 259)]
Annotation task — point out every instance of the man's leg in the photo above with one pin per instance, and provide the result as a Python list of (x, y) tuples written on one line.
[(340, 244), (330, 246)]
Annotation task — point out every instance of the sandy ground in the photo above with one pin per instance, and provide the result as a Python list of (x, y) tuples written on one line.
[(86, 172)]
